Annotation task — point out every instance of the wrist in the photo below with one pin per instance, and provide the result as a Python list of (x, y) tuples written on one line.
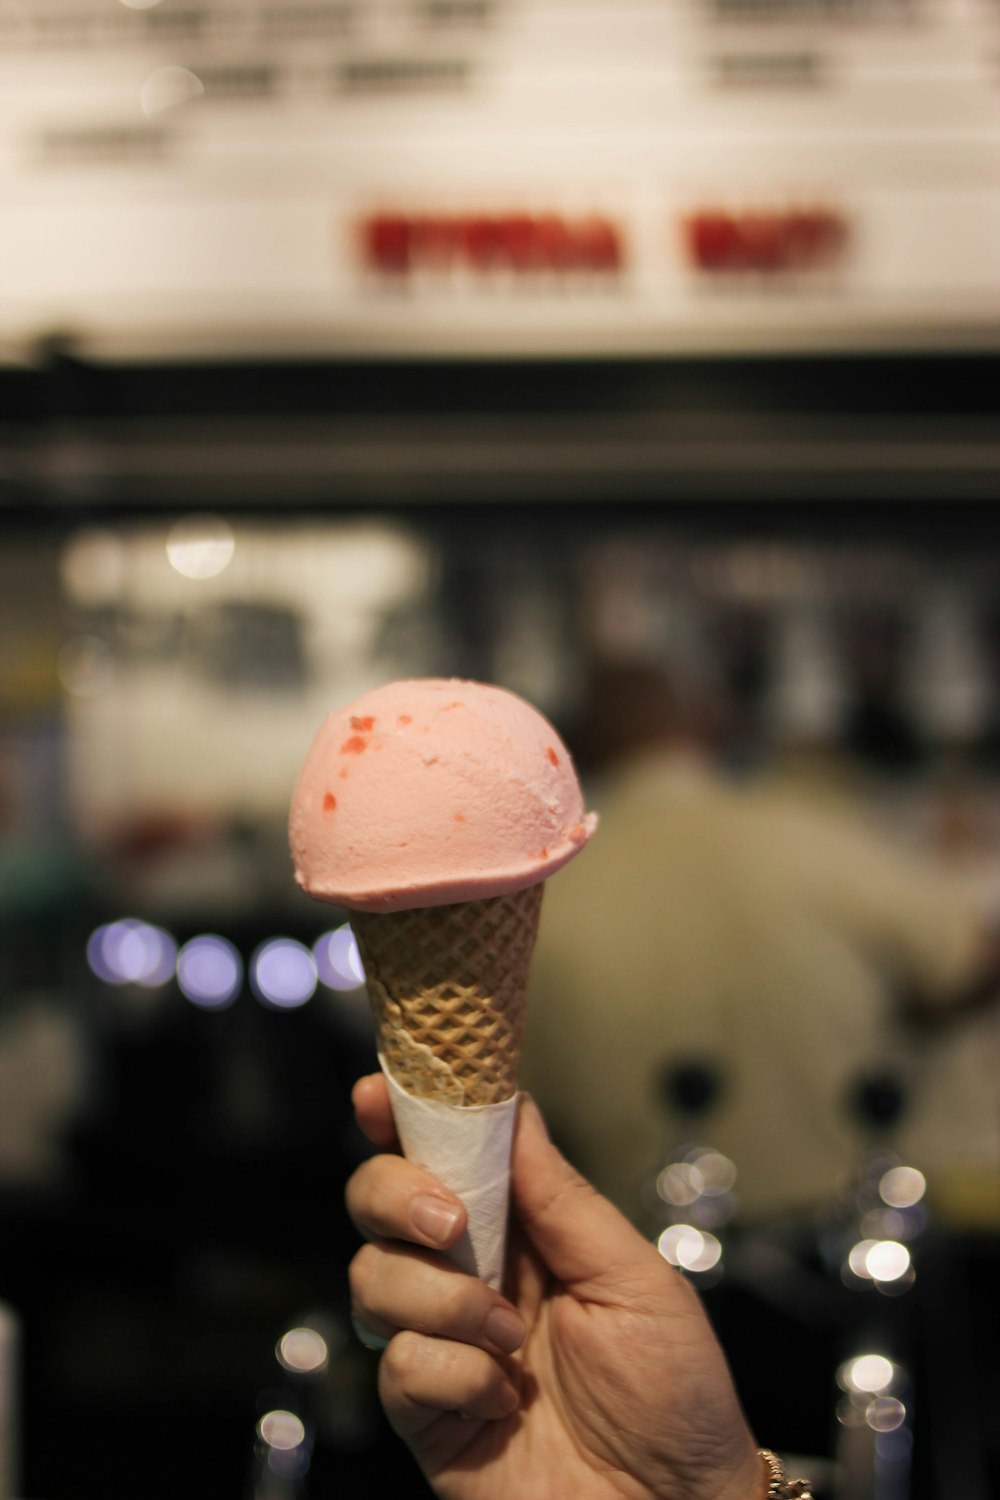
[(746, 1479)]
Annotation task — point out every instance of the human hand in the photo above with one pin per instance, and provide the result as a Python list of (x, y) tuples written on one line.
[(597, 1377)]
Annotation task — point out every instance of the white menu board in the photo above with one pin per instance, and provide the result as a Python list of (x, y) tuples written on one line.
[(337, 177)]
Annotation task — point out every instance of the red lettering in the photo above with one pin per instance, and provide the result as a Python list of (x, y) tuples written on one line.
[(764, 241)]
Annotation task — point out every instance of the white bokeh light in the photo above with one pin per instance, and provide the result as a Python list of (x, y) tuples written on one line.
[(200, 546), (303, 1351), (887, 1260), (871, 1373), (689, 1248), (902, 1187), (857, 1258), (704, 1257), (282, 1430), (680, 1183), (717, 1172), (885, 1414)]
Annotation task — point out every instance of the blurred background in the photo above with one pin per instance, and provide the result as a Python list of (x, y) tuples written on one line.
[(518, 340)]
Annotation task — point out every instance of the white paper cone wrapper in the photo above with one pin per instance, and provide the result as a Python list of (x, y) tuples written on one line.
[(469, 1151)]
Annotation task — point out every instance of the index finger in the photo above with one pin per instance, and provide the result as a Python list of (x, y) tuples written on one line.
[(370, 1097)]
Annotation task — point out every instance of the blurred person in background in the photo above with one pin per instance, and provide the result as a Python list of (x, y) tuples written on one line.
[(774, 941)]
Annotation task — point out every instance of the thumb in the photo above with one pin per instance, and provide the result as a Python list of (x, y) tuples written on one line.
[(580, 1236)]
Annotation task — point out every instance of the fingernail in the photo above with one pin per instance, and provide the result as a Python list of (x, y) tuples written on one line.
[(432, 1218), (505, 1328)]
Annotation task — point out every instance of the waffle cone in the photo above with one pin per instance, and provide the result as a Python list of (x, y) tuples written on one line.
[(448, 986)]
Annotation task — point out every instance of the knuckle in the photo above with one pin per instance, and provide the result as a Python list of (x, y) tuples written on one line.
[(402, 1358), (358, 1193), (455, 1301), (362, 1271)]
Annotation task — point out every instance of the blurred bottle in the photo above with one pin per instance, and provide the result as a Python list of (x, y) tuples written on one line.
[(807, 701), (869, 1234), (687, 1197), (945, 681), (883, 1217)]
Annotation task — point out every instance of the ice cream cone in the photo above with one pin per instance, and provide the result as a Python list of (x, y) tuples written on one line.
[(448, 986), (433, 811)]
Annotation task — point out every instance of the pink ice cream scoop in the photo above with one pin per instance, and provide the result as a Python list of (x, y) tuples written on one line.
[(434, 791)]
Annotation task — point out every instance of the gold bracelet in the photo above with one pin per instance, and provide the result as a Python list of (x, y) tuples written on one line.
[(779, 1487)]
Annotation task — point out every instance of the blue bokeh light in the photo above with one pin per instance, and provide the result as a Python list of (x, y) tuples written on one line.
[(338, 961), (129, 951), (283, 973), (209, 971)]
